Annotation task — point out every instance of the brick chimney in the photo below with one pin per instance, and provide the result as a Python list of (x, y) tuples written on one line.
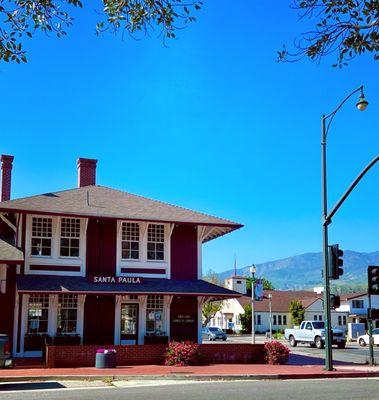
[(6, 176), (86, 172)]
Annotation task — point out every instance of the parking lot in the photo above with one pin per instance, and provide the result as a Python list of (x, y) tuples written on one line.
[(304, 354)]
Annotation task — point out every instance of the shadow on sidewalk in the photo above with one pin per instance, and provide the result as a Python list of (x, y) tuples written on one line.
[(30, 386), (300, 359)]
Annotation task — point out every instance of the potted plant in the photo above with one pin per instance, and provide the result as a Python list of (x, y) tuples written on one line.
[(105, 358)]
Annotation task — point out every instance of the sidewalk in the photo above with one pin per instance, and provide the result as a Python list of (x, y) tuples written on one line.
[(208, 372)]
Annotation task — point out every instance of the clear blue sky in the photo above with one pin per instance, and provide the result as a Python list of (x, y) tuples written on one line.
[(212, 123)]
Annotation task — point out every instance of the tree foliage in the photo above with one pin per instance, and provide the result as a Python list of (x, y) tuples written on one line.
[(346, 27), (246, 318), (211, 308), (297, 312), (267, 285), (20, 18)]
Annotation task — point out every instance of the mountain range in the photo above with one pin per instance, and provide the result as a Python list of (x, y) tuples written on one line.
[(304, 271)]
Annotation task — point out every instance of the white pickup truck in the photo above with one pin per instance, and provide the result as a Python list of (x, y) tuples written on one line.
[(313, 332)]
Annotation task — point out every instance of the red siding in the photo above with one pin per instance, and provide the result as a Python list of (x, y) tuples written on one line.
[(7, 303), (99, 314), (184, 252), (101, 247)]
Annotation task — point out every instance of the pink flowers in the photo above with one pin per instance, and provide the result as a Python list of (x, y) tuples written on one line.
[(106, 351), (276, 353), (182, 354)]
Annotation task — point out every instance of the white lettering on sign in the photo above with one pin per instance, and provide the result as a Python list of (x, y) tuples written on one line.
[(116, 279)]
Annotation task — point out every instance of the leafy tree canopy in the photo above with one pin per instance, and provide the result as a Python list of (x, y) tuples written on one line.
[(297, 312), (267, 285), (348, 28), (20, 18), (211, 308)]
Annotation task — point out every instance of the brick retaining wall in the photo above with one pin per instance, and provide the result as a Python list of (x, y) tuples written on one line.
[(151, 354)]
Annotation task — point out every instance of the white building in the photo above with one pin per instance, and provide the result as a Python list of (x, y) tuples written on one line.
[(230, 315)]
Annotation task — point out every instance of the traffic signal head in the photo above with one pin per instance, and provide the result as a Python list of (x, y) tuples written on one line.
[(335, 301), (335, 262), (373, 279)]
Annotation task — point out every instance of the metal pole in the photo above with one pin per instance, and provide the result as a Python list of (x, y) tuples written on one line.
[(327, 314), (371, 341), (252, 313), (270, 318)]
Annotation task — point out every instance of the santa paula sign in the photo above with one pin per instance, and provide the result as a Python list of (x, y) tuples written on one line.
[(116, 279)]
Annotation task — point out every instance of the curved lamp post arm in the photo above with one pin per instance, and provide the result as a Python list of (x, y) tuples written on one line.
[(329, 217), (333, 113)]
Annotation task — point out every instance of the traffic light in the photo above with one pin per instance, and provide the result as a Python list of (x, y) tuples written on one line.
[(335, 262), (335, 301), (373, 279)]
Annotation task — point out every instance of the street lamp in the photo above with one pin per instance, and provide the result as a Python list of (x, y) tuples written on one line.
[(253, 270), (326, 220), (270, 314)]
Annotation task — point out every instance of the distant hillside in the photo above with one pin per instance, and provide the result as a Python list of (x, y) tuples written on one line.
[(304, 271)]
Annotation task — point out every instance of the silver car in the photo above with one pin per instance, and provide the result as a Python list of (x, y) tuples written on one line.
[(214, 333)]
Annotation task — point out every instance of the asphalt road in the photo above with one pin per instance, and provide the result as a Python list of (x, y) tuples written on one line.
[(304, 354), (336, 389)]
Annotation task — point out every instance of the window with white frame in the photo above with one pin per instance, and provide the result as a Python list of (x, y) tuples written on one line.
[(155, 242), (42, 229), (274, 319), (130, 241), (70, 237), (154, 314), (67, 316), (284, 319), (259, 319), (38, 312), (279, 320)]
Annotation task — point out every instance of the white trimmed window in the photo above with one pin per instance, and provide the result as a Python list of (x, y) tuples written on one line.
[(154, 314), (155, 242), (42, 229), (70, 237), (130, 241), (38, 312), (67, 313)]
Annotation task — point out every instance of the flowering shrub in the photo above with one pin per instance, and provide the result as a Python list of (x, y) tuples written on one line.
[(106, 351), (182, 354), (276, 353)]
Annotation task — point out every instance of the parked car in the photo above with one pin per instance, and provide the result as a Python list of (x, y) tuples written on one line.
[(313, 332), (5, 351), (364, 340), (214, 333)]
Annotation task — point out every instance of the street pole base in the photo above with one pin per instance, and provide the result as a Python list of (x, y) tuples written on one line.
[(329, 369)]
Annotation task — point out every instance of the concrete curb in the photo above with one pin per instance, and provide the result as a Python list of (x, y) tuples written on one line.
[(330, 375)]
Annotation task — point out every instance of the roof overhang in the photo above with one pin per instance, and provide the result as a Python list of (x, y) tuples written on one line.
[(82, 285), (10, 254)]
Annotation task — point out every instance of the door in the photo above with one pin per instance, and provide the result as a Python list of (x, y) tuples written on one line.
[(129, 323), (99, 312)]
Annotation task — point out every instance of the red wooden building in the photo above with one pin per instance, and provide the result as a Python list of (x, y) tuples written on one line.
[(95, 265)]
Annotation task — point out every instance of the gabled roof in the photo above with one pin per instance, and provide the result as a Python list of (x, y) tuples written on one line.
[(349, 296), (281, 300), (101, 201), (73, 284), (10, 254)]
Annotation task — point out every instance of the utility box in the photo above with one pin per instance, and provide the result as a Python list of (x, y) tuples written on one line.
[(355, 329)]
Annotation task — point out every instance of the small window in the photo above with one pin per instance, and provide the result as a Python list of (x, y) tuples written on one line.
[(315, 318), (357, 304), (284, 319), (130, 241), (41, 236), (239, 282), (344, 319), (154, 314), (155, 242), (38, 312), (279, 320), (70, 237), (259, 319), (274, 319), (339, 320), (320, 317), (67, 313)]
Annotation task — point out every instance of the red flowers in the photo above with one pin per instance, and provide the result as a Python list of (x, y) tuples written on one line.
[(276, 353), (182, 354)]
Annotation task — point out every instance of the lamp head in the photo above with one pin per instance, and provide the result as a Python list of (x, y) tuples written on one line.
[(253, 269), (362, 102)]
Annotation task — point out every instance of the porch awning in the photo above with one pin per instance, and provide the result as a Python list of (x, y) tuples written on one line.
[(82, 285), (10, 254)]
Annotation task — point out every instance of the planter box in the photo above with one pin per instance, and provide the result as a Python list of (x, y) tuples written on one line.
[(105, 360), (156, 339)]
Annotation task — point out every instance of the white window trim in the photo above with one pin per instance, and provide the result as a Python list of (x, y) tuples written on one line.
[(55, 258), (143, 262)]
